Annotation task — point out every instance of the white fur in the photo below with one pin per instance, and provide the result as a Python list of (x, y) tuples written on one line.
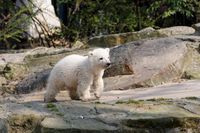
[(77, 74)]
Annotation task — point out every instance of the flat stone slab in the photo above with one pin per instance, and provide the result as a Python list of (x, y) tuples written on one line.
[(168, 108), (124, 116), (183, 89), (174, 91), (57, 123)]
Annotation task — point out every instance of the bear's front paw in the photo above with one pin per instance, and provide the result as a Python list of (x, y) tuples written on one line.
[(97, 95), (88, 100)]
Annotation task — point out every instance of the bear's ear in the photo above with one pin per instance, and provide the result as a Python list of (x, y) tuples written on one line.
[(90, 53), (107, 49)]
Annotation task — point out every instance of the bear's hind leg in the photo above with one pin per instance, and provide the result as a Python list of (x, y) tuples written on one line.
[(73, 94), (51, 93)]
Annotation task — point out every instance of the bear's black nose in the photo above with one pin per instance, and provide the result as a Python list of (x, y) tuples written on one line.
[(108, 64)]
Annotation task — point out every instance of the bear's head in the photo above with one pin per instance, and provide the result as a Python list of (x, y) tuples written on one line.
[(100, 58)]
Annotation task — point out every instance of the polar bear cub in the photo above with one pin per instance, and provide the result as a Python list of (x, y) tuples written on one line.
[(78, 74)]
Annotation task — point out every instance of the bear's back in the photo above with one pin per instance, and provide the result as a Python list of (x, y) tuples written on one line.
[(71, 60), (66, 69)]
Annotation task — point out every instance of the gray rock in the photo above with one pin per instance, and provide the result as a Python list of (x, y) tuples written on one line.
[(75, 116), (122, 38), (177, 30), (193, 108), (196, 27), (33, 82), (3, 126), (192, 71), (147, 63), (2, 81), (78, 44), (54, 123), (135, 64), (147, 30), (51, 125)]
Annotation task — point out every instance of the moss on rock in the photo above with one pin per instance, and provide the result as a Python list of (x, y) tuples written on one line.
[(122, 38), (23, 123)]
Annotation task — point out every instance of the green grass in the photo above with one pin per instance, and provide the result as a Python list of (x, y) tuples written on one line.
[(100, 102), (130, 101), (60, 114), (52, 107), (191, 98), (158, 99)]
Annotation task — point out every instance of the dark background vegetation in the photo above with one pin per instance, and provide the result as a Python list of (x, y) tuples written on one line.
[(87, 18)]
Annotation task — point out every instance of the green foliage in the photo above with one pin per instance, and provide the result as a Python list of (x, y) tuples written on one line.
[(164, 9), (52, 107), (11, 19), (86, 18), (98, 17)]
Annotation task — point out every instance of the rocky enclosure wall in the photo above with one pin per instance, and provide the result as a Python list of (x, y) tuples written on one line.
[(138, 63), (147, 62)]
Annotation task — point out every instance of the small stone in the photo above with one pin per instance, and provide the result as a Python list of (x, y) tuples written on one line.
[(54, 123), (2, 81), (3, 126), (196, 27), (78, 44), (177, 30)]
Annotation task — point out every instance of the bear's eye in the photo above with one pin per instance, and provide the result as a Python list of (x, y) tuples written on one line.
[(100, 58)]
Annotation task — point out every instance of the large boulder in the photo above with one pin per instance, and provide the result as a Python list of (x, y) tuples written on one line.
[(141, 63), (122, 38), (147, 63), (193, 69)]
